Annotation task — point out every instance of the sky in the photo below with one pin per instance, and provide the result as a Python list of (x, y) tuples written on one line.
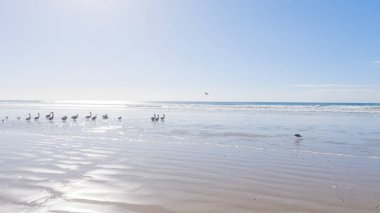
[(237, 50)]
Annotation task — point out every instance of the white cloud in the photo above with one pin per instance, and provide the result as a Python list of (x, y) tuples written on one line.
[(307, 93), (336, 92), (332, 86)]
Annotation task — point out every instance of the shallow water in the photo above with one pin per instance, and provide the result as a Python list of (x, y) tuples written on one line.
[(198, 160)]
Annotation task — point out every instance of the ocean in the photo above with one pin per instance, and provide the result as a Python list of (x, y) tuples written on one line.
[(191, 105), (204, 157)]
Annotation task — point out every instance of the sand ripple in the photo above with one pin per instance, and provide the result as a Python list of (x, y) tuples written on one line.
[(169, 171)]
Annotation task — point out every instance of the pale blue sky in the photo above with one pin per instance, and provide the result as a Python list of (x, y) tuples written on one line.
[(284, 50)]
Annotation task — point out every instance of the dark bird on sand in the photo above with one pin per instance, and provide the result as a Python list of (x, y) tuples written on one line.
[(48, 116), (89, 116), (51, 117), (154, 117), (28, 118), (74, 117)]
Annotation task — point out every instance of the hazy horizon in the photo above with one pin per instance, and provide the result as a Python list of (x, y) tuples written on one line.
[(166, 50), (181, 101)]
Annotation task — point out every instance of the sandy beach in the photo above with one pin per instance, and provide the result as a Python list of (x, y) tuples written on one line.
[(169, 106), (195, 161)]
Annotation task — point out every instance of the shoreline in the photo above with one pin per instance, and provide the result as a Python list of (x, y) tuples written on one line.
[(194, 162)]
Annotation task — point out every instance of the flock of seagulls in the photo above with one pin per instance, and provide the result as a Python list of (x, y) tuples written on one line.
[(157, 117), (51, 117)]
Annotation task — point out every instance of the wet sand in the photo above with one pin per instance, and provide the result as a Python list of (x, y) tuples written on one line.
[(42, 174), (163, 167)]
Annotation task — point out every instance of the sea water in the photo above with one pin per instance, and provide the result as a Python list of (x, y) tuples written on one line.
[(349, 128), (180, 164)]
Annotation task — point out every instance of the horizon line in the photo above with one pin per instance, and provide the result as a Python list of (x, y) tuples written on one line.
[(174, 101)]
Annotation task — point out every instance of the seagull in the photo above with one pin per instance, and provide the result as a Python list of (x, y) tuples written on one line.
[(64, 118), (74, 117), (48, 116), (298, 135), (28, 118), (206, 93), (119, 118), (88, 117), (153, 118), (105, 116), (51, 117), (2, 121), (6, 118), (158, 117), (163, 117), (94, 118), (38, 117)]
